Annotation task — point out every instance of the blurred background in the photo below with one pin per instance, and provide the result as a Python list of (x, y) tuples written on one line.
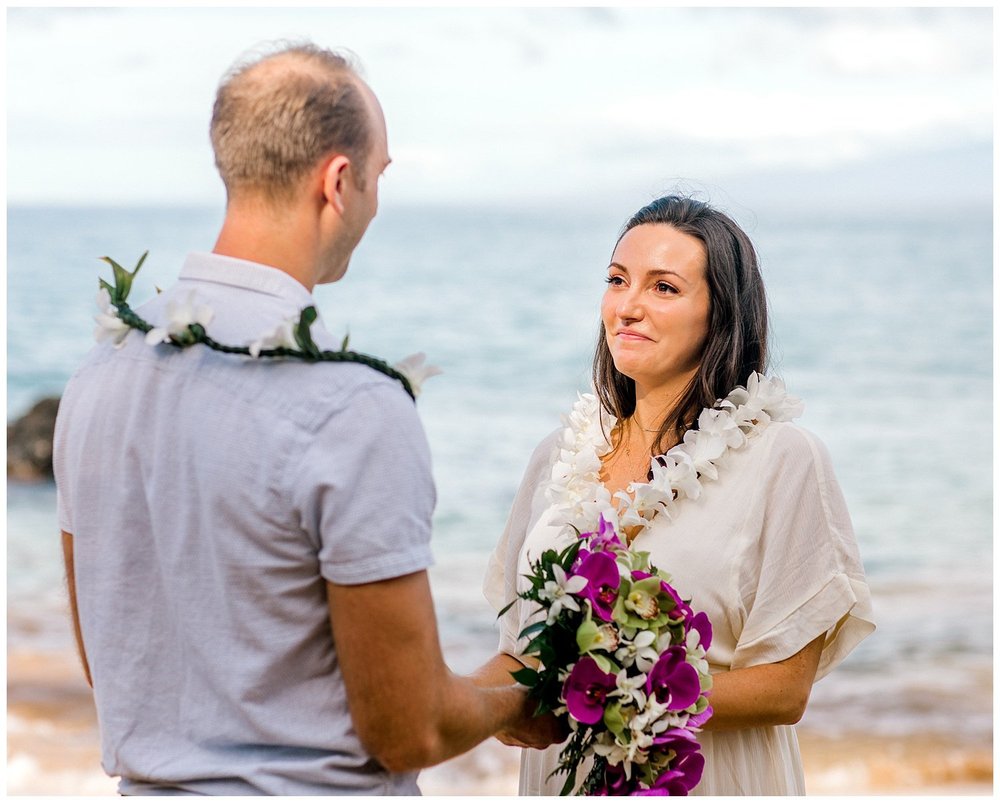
[(854, 145)]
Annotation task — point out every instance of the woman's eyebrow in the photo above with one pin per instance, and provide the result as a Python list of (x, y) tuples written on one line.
[(654, 272)]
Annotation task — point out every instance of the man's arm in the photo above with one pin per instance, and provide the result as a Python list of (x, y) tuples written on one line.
[(409, 709), (67, 546)]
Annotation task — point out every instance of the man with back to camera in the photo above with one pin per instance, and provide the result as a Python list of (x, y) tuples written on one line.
[(246, 540)]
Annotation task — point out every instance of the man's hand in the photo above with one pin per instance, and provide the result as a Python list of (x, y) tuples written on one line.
[(410, 711), (528, 730), (535, 732)]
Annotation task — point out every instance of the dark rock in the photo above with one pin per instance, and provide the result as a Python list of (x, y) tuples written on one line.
[(29, 442)]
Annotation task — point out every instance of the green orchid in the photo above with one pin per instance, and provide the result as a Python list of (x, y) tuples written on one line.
[(614, 721), (643, 604), (592, 636)]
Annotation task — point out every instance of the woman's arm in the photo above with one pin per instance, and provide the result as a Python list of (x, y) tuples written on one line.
[(755, 696), (769, 694)]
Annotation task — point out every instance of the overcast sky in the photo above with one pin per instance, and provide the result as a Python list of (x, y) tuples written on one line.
[(544, 105)]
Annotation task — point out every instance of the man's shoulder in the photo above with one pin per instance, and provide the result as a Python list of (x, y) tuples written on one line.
[(307, 394), (354, 388)]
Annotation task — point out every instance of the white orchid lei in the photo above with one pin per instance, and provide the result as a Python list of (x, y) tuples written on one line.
[(580, 497), (187, 321)]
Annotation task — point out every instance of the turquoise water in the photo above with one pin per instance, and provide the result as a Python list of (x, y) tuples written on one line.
[(884, 327)]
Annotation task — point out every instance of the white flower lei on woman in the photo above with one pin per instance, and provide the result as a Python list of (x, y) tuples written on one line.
[(581, 498)]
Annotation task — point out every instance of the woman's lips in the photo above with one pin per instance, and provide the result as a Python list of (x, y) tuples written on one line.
[(628, 334)]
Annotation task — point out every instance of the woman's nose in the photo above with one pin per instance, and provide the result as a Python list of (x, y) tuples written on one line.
[(629, 306)]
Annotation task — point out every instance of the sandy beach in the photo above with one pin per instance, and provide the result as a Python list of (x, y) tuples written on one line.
[(52, 749)]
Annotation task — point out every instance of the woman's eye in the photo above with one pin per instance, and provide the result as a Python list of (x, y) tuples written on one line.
[(615, 281), (663, 287)]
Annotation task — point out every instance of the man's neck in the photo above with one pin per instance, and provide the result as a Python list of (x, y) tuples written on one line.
[(287, 242)]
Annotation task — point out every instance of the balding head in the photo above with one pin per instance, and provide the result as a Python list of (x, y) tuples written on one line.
[(276, 118)]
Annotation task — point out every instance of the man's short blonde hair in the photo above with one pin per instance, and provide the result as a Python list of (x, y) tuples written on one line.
[(276, 117)]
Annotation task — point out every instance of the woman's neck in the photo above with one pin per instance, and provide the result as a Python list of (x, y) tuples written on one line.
[(654, 404)]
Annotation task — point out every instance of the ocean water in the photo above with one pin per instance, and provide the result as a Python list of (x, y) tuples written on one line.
[(882, 326)]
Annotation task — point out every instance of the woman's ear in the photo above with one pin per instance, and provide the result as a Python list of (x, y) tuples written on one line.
[(336, 177)]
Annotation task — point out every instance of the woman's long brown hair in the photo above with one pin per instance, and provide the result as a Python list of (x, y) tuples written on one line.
[(737, 330)]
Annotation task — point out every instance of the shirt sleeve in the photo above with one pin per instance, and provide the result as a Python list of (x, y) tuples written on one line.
[(801, 577), (364, 489)]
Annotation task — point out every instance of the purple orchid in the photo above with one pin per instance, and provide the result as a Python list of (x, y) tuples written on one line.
[(677, 782), (586, 690), (697, 720), (703, 626), (605, 539), (686, 766), (674, 681), (680, 740), (603, 582), (615, 782), (681, 610)]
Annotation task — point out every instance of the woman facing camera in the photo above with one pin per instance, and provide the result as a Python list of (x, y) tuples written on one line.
[(750, 521)]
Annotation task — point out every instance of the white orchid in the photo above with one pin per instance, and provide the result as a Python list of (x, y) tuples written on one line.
[(716, 434), (718, 422), (677, 471), (560, 592), (639, 651), (580, 498), (630, 689), (641, 501), (109, 325), (631, 518), (653, 719), (416, 371), (703, 448), (614, 753), (180, 315), (282, 336), (696, 655), (763, 400), (769, 394)]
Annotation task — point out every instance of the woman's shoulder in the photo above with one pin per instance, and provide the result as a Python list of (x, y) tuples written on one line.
[(791, 448), (791, 438), (544, 455), (548, 445)]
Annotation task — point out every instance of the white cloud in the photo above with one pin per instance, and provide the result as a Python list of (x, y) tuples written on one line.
[(493, 103)]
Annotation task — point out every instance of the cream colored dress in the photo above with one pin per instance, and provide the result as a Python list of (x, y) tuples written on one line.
[(767, 551)]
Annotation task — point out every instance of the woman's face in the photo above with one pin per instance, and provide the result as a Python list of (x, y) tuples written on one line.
[(656, 307)]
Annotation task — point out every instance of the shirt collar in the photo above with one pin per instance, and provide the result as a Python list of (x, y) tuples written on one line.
[(219, 269)]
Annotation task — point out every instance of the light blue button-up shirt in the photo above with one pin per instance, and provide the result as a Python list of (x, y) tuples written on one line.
[(210, 497)]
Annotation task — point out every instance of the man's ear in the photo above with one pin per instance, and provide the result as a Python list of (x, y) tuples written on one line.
[(336, 176)]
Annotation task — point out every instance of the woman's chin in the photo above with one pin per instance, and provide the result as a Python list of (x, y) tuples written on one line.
[(651, 381), (633, 372)]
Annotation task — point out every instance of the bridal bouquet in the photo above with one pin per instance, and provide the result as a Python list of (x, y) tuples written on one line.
[(622, 656)]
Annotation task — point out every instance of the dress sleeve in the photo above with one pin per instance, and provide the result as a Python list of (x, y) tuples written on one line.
[(500, 583), (801, 574)]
